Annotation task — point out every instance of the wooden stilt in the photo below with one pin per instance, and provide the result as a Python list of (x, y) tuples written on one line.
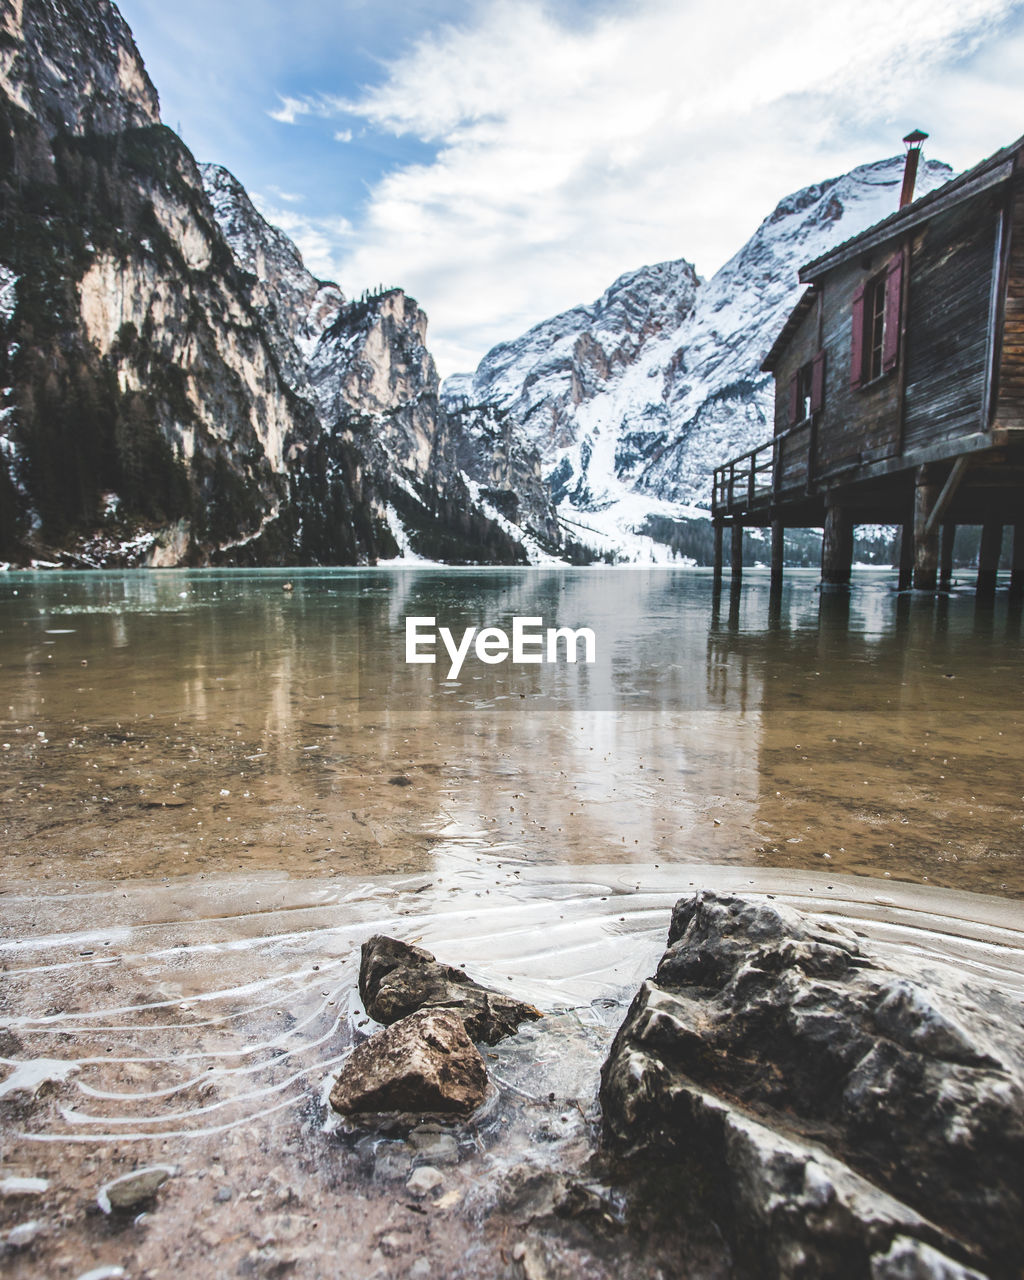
[(778, 545), (946, 556), (988, 557), (906, 555), (735, 596), (926, 535), (1017, 564), (837, 548), (717, 580), (736, 564)]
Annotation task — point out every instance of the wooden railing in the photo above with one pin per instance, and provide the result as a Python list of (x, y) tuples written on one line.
[(751, 480), (742, 481)]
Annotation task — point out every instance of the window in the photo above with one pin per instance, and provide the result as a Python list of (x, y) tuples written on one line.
[(874, 317), (876, 324), (807, 389), (803, 392)]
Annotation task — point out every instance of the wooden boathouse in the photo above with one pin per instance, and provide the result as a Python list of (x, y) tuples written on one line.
[(899, 388)]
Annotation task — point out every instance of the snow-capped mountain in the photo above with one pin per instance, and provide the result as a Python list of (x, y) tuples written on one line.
[(175, 386), (634, 400), (366, 366), (558, 365)]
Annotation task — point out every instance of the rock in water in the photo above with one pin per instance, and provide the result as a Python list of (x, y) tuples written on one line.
[(425, 1062), (395, 979), (841, 1105), (131, 1190)]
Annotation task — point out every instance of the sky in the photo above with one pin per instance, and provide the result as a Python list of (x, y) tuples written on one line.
[(504, 160)]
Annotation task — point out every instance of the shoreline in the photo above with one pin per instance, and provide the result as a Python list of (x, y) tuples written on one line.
[(229, 969)]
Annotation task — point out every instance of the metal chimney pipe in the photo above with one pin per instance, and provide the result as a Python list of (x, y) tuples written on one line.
[(913, 144)]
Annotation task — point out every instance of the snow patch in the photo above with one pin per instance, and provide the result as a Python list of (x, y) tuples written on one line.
[(8, 293), (398, 532)]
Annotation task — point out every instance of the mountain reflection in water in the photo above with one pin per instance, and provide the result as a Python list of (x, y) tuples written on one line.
[(157, 724)]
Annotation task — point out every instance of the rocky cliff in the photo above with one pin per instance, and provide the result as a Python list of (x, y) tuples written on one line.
[(177, 387), (145, 408), (633, 400), (365, 366)]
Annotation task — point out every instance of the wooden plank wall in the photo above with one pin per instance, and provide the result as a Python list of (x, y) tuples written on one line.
[(801, 348), (858, 424), (1010, 405), (947, 324), (794, 454), (794, 450)]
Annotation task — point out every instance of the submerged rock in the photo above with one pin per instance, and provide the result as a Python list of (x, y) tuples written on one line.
[(844, 1108), (424, 1180), (433, 1146), (134, 1189), (25, 1234), (395, 979), (425, 1062)]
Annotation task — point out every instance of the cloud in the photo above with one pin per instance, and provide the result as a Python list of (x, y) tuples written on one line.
[(566, 154), (343, 135), (319, 105), (290, 110), (320, 240)]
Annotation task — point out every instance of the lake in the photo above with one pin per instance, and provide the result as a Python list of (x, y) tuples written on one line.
[(214, 789), (169, 723)]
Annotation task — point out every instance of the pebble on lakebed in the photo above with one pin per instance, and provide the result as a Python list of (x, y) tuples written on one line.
[(133, 1189)]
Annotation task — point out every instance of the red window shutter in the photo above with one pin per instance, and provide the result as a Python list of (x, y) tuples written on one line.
[(857, 344), (794, 398), (893, 296), (818, 382)]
